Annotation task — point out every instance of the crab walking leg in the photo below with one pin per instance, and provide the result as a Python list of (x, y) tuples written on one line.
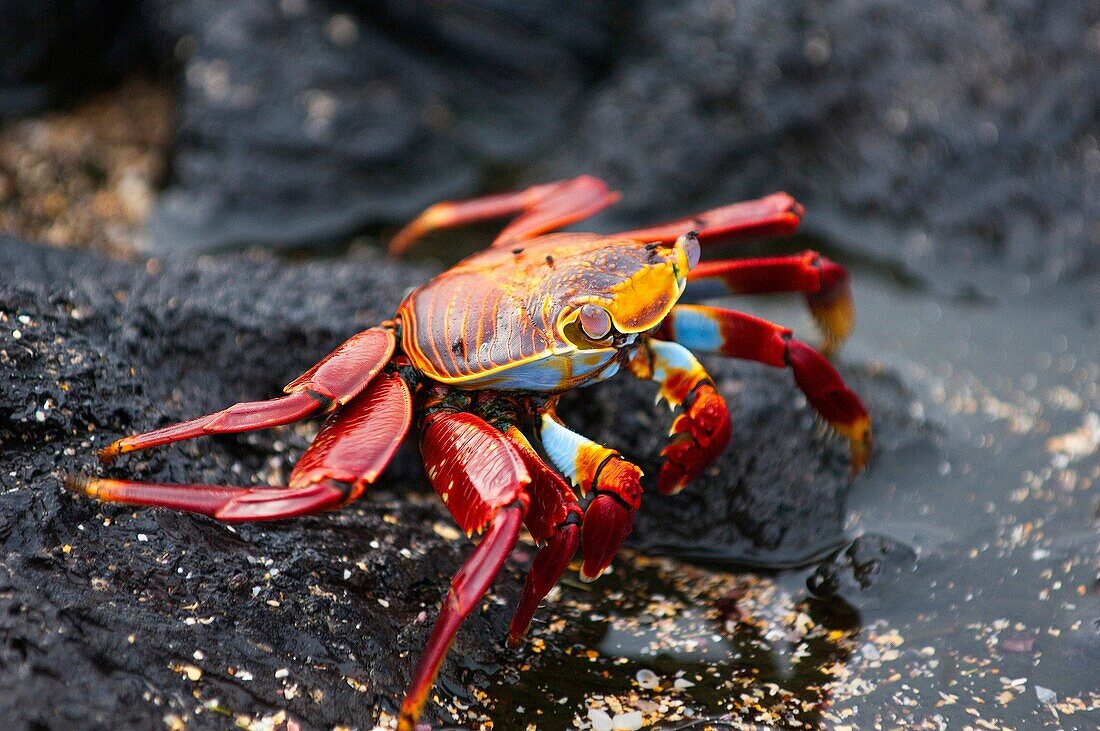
[(825, 283), (615, 482), (544, 208), (701, 431), (482, 480), (332, 382), (554, 520), (777, 214), (735, 334), (475, 470), (352, 448), (467, 588)]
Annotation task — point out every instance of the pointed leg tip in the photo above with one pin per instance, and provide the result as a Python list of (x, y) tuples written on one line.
[(406, 722), (860, 443), (408, 718), (514, 641), (79, 484), (674, 488), (111, 452), (588, 575), (830, 346), (861, 454), (833, 311)]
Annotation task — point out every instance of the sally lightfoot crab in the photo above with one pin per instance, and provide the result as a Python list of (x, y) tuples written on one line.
[(477, 358)]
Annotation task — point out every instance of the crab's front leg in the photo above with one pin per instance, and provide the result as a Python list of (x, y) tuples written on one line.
[(701, 431), (735, 334), (482, 480), (330, 383), (352, 448), (615, 482)]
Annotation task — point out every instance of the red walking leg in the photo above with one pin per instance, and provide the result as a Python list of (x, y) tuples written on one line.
[(775, 215), (352, 448), (473, 468), (330, 383), (544, 208), (826, 284), (713, 329), (482, 480), (467, 588)]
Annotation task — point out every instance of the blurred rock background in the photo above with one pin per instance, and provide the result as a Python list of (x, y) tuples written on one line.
[(950, 132)]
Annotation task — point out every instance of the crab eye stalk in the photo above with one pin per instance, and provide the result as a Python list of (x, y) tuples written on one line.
[(594, 321), (690, 242)]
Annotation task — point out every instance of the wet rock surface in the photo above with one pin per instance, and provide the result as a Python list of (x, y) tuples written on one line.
[(868, 564), (117, 618)]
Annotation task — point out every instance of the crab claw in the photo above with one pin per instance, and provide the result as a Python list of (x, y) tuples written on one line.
[(609, 518), (699, 435), (606, 525)]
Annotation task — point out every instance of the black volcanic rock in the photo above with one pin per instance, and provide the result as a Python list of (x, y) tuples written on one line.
[(55, 51), (108, 616), (301, 123), (933, 132)]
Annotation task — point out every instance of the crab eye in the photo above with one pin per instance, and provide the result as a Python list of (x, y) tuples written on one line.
[(691, 248), (594, 321)]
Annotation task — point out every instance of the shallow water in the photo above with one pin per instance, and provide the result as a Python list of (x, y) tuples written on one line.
[(995, 624)]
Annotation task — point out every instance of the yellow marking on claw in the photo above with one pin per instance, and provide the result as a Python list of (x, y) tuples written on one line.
[(640, 364), (679, 382)]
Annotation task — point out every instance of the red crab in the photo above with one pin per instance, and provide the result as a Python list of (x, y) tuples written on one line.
[(478, 356)]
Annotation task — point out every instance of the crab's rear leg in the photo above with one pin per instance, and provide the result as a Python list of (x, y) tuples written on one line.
[(615, 482), (735, 334), (777, 214), (333, 381), (352, 448), (544, 208), (482, 480), (825, 283), (701, 431)]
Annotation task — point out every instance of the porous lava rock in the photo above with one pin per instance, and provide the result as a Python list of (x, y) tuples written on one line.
[(113, 617)]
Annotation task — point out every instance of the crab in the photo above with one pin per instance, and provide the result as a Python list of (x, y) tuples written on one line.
[(478, 356)]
